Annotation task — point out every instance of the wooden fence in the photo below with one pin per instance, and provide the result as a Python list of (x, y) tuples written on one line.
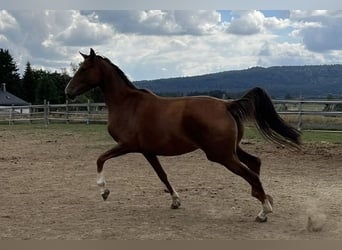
[(304, 114), (55, 113), (311, 114)]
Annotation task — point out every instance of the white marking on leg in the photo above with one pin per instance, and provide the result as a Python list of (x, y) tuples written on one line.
[(266, 209), (101, 182), (175, 200)]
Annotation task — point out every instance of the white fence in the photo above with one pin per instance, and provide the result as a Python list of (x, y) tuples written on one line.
[(307, 114)]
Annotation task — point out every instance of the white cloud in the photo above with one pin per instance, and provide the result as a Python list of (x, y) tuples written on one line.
[(6, 21), (249, 23), (144, 57), (156, 43), (307, 14), (272, 54), (83, 32), (276, 23), (45, 38), (323, 31), (34, 27), (159, 22), (255, 22)]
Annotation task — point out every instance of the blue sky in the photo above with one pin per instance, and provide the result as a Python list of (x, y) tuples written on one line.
[(151, 44)]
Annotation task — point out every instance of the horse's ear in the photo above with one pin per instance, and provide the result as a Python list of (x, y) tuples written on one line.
[(92, 53), (83, 55)]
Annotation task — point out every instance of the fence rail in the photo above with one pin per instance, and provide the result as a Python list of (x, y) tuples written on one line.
[(50, 113), (304, 114)]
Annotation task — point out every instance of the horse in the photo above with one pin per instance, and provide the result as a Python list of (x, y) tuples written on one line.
[(140, 121)]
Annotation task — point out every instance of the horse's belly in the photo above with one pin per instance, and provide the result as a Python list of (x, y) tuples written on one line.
[(168, 146), (175, 150)]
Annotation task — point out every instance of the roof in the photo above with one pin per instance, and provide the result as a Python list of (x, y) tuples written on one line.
[(8, 99)]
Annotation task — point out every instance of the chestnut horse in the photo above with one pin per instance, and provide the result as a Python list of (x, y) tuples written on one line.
[(140, 121)]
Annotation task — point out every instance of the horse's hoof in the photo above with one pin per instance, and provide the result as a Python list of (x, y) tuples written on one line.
[(105, 194), (175, 204), (260, 220)]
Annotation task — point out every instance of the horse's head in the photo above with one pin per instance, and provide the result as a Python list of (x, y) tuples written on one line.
[(87, 77)]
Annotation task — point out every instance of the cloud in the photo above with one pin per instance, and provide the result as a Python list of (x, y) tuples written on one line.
[(6, 21), (34, 27), (255, 22), (150, 57), (272, 53), (159, 22), (46, 38), (323, 38), (82, 32), (249, 23), (149, 44), (323, 30)]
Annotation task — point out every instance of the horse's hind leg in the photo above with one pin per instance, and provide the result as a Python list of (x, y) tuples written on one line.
[(114, 152), (236, 166), (251, 161), (153, 160)]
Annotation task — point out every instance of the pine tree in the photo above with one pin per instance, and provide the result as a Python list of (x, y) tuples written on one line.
[(45, 87), (28, 84), (9, 73)]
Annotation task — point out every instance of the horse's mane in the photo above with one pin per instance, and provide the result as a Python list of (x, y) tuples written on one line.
[(123, 75)]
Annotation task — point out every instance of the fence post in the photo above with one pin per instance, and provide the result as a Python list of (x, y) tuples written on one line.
[(29, 114), (300, 109), (10, 121), (45, 113), (48, 112), (67, 111), (88, 111)]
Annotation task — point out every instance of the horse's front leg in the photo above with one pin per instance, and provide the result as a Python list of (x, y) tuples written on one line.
[(153, 160), (116, 151)]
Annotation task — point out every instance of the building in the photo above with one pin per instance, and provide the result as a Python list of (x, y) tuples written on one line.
[(8, 100)]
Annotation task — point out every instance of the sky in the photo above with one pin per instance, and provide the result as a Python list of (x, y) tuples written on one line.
[(156, 43)]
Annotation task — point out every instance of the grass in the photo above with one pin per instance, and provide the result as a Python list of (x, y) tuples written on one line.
[(94, 132), (307, 135), (315, 122), (83, 128), (99, 132)]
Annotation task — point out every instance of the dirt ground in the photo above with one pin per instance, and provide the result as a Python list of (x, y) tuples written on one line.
[(48, 191)]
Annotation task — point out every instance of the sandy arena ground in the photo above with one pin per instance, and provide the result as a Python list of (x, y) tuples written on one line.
[(48, 191)]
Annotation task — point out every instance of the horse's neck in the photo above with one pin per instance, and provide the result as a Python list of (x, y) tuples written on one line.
[(122, 102), (116, 93)]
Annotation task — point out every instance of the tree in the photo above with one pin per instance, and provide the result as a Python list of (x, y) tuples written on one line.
[(9, 73), (28, 84), (60, 80), (49, 86), (45, 87)]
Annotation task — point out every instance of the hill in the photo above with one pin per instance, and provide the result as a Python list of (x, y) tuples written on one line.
[(318, 81)]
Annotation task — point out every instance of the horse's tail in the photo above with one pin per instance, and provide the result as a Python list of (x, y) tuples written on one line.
[(257, 105)]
